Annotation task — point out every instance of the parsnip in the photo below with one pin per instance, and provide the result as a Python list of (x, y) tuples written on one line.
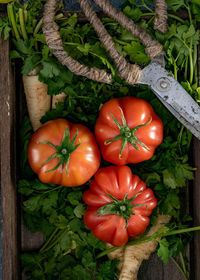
[(131, 257), (37, 99), (117, 254), (134, 255), (58, 98)]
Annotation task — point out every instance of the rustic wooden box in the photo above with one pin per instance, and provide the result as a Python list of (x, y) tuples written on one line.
[(13, 235)]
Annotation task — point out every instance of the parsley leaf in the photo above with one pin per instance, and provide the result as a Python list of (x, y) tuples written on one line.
[(163, 250), (30, 63), (5, 28)]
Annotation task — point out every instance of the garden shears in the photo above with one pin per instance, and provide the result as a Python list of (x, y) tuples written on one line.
[(166, 88)]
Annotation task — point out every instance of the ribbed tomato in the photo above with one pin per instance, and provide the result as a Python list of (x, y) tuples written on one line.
[(63, 153), (128, 130), (119, 205)]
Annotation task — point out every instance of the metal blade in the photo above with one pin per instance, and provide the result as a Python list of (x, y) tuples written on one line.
[(173, 96)]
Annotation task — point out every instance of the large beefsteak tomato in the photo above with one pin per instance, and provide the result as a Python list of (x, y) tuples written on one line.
[(128, 130), (118, 205), (63, 153)]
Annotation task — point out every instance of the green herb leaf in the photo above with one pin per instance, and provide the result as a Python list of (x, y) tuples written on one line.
[(79, 211), (30, 63), (163, 250)]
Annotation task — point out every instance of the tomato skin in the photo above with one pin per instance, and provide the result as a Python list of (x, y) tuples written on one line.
[(84, 160), (117, 181), (136, 112)]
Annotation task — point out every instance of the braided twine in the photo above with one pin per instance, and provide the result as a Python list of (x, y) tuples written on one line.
[(160, 22), (129, 72), (53, 39)]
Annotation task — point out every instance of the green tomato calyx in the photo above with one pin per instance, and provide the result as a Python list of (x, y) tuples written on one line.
[(122, 208), (63, 151), (127, 134)]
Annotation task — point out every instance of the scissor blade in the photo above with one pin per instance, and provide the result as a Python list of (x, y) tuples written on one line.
[(173, 96)]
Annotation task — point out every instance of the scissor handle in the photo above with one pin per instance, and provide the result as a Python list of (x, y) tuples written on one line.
[(153, 47), (54, 41), (160, 22), (129, 72)]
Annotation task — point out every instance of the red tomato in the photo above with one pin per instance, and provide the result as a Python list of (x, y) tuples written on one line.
[(63, 153), (118, 205), (128, 130)]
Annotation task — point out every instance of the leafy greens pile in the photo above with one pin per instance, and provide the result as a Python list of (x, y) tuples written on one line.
[(70, 250)]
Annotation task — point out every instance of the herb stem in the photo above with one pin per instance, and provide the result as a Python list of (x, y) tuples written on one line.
[(8, 1), (150, 238), (72, 44), (151, 19), (54, 241), (12, 19), (39, 25), (183, 264), (179, 268), (34, 22), (180, 231), (49, 240), (147, 7), (25, 16), (169, 15), (189, 13), (120, 42), (180, 137), (195, 60), (176, 17), (148, 14), (186, 68), (191, 62), (57, 188), (175, 70), (10, 22), (196, 75), (22, 25)]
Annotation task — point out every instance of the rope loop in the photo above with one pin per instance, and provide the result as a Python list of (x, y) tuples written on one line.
[(129, 72)]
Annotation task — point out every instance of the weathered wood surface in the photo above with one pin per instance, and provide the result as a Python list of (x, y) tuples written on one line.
[(8, 166), (29, 240), (155, 269), (195, 269)]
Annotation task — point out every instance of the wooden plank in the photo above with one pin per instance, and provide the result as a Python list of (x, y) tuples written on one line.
[(196, 212), (196, 202), (8, 166), (155, 269), (29, 241), (2, 7)]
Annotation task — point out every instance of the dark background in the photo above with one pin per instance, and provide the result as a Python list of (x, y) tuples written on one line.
[(74, 6)]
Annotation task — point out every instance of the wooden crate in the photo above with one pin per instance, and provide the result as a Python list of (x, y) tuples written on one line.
[(14, 235)]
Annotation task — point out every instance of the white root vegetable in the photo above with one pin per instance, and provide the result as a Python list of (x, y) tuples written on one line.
[(37, 99), (58, 98), (117, 254), (134, 255), (131, 257)]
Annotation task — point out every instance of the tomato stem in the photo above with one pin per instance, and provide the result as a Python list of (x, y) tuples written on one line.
[(122, 208), (63, 151), (127, 134)]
